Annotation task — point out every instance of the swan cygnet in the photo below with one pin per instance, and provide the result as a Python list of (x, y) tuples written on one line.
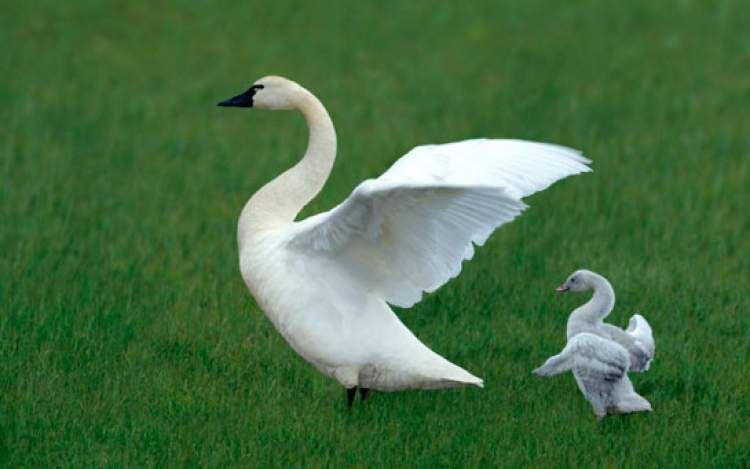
[(600, 354), (326, 282)]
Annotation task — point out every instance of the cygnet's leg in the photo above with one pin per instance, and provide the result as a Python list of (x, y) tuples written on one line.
[(363, 393), (350, 393), (600, 409)]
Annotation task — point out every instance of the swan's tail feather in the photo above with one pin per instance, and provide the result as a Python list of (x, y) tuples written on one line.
[(450, 375), (442, 383), (473, 380)]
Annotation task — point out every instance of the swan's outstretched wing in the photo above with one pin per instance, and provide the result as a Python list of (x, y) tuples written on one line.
[(521, 168), (409, 230), (637, 339)]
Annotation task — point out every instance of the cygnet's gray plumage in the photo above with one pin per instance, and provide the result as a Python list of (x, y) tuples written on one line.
[(599, 354)]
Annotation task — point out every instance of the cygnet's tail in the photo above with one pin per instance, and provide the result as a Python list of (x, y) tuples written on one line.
[(633, 403), (629, 400)]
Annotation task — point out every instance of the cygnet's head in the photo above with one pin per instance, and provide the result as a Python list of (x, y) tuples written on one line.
[(580, 280), (269, 92)]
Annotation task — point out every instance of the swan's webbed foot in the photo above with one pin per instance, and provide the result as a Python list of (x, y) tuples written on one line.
[(363, 393), (350, 393)]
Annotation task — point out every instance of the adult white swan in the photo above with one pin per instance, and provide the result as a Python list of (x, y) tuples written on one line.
[(326, 282)]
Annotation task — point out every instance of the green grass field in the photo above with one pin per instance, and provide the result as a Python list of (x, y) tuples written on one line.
[(127, 336)]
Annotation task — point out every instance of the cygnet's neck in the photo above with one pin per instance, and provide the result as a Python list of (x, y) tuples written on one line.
[(600, 304), (278, 202)]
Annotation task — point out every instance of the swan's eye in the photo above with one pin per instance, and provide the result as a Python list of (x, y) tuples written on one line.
[(573, 280)]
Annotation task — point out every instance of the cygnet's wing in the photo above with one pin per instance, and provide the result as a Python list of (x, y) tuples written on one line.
[(638, 340), (408, 231), (600, 358), (598, 365), (598, 368), (641, 331)]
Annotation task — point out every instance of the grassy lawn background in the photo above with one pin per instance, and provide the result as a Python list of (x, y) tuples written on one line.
[(128, 337)]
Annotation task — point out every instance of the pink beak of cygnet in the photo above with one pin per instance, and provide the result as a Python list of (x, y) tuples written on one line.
[(562, 288)]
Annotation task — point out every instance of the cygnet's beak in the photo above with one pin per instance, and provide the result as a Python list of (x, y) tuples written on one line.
[(562, 288)]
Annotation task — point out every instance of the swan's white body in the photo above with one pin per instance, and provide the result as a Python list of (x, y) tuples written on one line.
[(326, 282), (599, 354)]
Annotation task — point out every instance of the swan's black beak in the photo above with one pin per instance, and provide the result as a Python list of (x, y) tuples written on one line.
[(242, 100)]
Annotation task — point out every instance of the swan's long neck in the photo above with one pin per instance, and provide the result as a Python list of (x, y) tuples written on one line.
[(278, 202), (600, 304)]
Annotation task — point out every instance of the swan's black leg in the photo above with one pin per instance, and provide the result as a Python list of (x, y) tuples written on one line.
[(350, 393), (363, 393)]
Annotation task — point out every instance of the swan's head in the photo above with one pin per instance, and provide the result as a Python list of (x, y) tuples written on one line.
[(580, 280), (270, 92)]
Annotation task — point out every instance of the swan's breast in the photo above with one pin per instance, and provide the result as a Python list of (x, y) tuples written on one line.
[(311, 302)]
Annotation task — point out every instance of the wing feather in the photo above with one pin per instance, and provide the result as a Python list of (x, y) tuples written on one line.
[(408, 231), (637, 339)]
